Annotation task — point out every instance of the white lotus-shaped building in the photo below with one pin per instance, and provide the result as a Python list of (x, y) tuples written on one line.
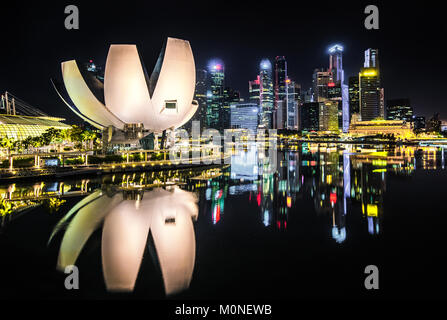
[(128, 96)]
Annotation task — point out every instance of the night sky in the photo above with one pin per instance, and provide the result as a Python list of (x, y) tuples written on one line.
[(34, 42)]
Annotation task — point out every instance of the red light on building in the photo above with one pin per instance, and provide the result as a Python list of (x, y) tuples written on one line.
[(331, 84), (258, 199)]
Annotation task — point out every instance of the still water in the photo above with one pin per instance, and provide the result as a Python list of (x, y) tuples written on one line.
[(303, 223)]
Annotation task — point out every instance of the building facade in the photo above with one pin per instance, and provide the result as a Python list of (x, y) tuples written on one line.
[(200, 96), (280, 112), (369, 94), (328, 116), (267, 97), (244, 116), (216, 115), (309, 116), (399, 109)]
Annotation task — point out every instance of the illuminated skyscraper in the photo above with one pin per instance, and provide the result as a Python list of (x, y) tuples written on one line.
[(245, 116), (254, 90), (370, 94), (280, 92), (328, 117), (371, 58), (371, 97), (231, 97), (354, 95), (320, 81), (291, 105), (336, 63), (200, 96), (266, 93), (215, 116), (309, 116)]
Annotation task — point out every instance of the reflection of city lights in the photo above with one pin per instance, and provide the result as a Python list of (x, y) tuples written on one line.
[(372, 210), (333, 198), (370, 225), (266, 218), (216, 214), (289, 202), (339, 235)]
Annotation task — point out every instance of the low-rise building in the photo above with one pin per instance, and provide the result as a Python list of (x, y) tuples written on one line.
[(398, 128)]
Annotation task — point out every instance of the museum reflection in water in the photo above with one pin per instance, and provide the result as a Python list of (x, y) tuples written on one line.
[(135, 215), (127, 219)]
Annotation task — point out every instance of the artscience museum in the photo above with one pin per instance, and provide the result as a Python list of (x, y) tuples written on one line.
[(129, 104)]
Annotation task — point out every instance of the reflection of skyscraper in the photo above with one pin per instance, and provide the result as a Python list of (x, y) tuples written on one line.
[(266, 93), (368, 188), (215, 110)]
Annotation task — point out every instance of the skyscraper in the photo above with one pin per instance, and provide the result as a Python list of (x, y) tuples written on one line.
[(371, 58), (244, 116), (231, 97), (254, 90), (328, 116), (354, 104), (280, 92), (291, 105), (215, 115), (309, 116), (200, 96), (320, 81), (266, 93), (298, 102), (369, 93), (399, 109), (336, 63)]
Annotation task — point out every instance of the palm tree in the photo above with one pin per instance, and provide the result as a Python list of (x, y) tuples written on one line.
[(7, 143)]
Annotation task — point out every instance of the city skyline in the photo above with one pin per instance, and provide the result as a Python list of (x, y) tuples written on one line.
[(303, 41)]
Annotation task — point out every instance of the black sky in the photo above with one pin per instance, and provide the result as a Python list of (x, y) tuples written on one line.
[(410, 39)]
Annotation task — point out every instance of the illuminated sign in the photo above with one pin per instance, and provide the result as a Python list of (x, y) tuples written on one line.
[(52, 162), (331, 84), (336, 47), (370, 73)]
